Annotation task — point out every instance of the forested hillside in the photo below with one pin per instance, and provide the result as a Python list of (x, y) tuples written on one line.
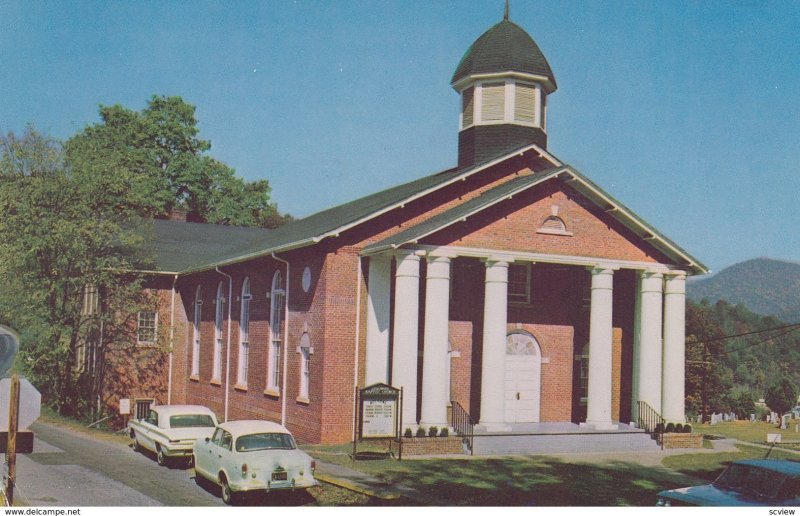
[(729, 374)]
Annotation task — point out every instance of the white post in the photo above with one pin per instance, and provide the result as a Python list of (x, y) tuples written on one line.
[(406, 337), (495, 315), (435, 388), (673, 384), (650, 356), (598, 411), (637, 341), (378, 314)]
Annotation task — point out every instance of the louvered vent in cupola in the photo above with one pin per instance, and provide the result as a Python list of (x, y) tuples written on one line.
[(525, 103), (493, 101), (467, 106)]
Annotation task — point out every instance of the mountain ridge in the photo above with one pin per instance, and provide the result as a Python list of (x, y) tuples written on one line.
[(766, 286)]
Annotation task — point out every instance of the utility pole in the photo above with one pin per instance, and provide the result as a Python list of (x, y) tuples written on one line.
[(11, 450)]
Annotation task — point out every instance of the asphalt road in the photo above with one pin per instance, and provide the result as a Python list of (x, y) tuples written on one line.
[(71, 469)]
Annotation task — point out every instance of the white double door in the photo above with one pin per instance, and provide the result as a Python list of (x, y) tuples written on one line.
[(522, 379)]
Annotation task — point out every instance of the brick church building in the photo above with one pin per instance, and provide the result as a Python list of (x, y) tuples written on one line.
[(510, 285)]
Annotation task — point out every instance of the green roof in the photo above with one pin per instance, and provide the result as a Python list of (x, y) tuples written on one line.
[(506, 47), (466, 209)]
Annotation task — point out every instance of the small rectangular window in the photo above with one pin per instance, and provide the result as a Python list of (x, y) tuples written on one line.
[(493, 101), (146, 331), (519, 283)]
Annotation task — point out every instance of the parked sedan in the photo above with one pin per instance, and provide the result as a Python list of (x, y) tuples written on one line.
[(170, 431), (743, 483), (246, 456)]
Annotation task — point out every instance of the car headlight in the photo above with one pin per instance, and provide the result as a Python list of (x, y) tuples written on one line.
[(663, 502)]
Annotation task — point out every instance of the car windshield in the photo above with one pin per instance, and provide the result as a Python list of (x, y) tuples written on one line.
[(191, 420), (272, 441), (751, 480)]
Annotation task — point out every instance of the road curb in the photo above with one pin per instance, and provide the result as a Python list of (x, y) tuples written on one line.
[(357, 487)]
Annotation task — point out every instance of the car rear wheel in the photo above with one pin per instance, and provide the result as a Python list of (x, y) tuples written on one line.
[(227, 494), (136, 446)]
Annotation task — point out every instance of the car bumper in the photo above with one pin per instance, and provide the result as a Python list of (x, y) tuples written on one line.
[(177, 450), (257, 484)]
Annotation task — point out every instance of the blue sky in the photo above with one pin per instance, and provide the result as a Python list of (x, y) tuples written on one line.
[(688, 112)]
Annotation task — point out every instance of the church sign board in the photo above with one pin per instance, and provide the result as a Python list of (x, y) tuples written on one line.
[(378, 411)]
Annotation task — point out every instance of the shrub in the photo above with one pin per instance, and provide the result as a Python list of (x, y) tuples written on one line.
[(687, 428), (659, 428), (432, 431), (678, 428), (670, 428), (444, 432), (420, 432), (408, 433)]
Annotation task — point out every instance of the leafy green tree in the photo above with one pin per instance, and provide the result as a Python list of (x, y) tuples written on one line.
[(707, 380), (781, 396), (153, 161), (64, 241)]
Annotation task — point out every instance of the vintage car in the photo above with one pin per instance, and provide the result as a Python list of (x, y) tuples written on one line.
[(246, 456), (170, 431), (743, 483)]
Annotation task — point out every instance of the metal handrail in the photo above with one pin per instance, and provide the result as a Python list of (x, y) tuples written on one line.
[(463, 425), (651, 422)]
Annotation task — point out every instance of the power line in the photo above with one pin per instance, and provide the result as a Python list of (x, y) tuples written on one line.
[(755, 332)]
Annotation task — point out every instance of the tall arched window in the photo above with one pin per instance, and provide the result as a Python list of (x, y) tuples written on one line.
[(278, 297), (198, 315), (220, 317), (244, 335)]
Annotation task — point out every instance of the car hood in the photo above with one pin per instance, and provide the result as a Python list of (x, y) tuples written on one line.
[(711, 496)]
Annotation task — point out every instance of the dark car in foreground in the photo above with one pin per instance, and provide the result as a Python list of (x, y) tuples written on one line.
[(743, 483)]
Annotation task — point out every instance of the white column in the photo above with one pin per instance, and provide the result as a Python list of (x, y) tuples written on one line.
[(650, 312), (406, 326), (435, 386), (378, 314), (598, 410), (673, 383), (495, 316), (637, 318)]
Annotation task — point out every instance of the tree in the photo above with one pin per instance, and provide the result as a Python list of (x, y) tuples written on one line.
[(781, 396), (155, 163), (68, 252), (707, 380)]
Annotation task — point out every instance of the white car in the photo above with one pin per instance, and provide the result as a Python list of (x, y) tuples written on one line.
[(170, 431), (244, 456)]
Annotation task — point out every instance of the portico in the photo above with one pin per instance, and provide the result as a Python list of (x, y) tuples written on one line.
[(420, 347)]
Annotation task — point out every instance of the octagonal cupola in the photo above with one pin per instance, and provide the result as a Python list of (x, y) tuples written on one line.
[(503, 80)]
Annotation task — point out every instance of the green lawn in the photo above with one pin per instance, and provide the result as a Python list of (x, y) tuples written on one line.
[(753, 432), (518, 481), (542, 480)]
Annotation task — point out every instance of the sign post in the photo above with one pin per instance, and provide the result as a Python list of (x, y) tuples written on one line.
[(378, 414), (11, 450)]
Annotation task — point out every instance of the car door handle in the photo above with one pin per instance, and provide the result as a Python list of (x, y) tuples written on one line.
[(220, 456), (517, 395)]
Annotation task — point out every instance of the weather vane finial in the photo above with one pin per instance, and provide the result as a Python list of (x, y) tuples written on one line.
[(505, 16)]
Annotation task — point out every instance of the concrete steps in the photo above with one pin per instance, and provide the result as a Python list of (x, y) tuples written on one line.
[(542, 444)]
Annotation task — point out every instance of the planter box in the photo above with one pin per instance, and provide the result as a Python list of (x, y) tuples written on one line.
[(672, 441), (451, 445)]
